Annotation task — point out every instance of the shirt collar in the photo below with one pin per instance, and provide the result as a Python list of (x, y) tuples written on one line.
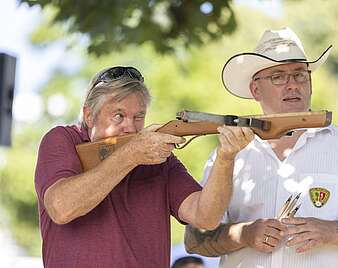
[(84, 134)]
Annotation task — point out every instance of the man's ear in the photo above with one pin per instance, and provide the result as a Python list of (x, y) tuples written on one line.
[(255, 92), (87, 117)]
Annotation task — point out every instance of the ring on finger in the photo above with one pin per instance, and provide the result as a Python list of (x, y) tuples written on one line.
[(266, 239)]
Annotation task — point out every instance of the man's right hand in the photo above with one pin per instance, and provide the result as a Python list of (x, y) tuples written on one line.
[(150, 148), (263, 234)]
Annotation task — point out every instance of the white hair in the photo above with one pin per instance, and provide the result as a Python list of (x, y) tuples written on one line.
[(115, 90)]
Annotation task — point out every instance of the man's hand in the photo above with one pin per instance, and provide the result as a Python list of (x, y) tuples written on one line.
[(263, 234), (232, 140), (150, 148), (308, 233)]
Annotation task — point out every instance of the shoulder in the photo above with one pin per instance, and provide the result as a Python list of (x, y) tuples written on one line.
[(62, 134), (324, 135), (60, 139), (334, 130), (70, 130)]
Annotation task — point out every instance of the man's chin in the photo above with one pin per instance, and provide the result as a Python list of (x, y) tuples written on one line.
[(294, 107), (288, 110)]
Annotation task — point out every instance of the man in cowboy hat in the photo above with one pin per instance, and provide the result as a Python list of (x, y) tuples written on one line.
[(278, 76)]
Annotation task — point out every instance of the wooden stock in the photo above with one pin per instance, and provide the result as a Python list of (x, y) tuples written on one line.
[(284, 123), (92, 153)]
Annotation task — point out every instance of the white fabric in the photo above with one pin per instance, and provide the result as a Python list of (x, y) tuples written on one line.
[(262, 183), (274, 48)]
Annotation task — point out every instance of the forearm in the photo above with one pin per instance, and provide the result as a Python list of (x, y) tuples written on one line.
[(75, 196), (226, 238), (216, 194)]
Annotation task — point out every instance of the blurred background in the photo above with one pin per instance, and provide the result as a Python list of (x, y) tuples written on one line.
[(179, 46)]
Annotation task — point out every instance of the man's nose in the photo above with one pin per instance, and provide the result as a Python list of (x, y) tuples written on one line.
[(129, 125), (291, 82), (291, 78)]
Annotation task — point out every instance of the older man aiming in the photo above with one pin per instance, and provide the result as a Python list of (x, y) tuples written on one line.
[(118, 213), (266, 173)]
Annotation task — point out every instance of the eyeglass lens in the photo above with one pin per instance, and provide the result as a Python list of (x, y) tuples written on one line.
[(283, 78)]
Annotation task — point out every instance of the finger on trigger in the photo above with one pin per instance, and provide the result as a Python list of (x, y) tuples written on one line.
[(173, 139)]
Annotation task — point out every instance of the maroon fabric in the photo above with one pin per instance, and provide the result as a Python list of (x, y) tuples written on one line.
[(129, 228)]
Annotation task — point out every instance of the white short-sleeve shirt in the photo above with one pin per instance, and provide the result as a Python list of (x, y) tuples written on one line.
[(262, 183)]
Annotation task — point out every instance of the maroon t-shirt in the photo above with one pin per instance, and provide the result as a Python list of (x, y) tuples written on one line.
[(129, 228)]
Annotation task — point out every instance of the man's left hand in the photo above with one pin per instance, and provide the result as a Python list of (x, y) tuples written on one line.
[(310, 232), (232, 140)]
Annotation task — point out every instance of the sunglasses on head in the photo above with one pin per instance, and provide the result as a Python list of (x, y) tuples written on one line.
[(117, 72)]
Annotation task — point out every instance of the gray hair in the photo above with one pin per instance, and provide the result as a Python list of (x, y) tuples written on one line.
[(115, 90)]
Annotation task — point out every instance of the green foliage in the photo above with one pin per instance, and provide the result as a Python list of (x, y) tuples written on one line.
[(18, 197), (319, 31), (114, 24), (48, 31)]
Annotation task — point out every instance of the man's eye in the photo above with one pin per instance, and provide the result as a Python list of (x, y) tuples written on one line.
[(118, 117), (139, 118), (278, 76), (299, 75)]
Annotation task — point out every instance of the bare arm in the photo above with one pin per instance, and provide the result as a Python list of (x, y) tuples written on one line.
[(223, 240), (75, 196), (72, 197), (231, 237), (205, 209)]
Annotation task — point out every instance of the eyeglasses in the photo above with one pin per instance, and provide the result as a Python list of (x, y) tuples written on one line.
[(284, 78), (117, 72)]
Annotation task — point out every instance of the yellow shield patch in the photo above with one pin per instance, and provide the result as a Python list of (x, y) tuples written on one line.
[(319, 196)]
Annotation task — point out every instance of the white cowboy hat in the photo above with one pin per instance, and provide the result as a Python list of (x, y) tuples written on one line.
[(274, 48)]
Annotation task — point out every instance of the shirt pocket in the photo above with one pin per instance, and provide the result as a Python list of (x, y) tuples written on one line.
[(319, 198)]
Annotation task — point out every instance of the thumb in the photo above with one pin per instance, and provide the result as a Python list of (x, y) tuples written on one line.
[(168, 138)]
